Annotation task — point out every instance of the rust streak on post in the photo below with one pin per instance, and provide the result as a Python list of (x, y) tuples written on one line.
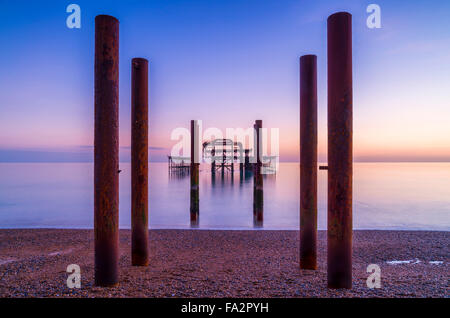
[(194, 206), (106, 153), (139, 162), (340, 134), (258, 186), (308, 162)]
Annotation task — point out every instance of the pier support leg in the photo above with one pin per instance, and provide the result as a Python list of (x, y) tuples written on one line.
[(213, 160), (213, 167), (247, 159), (340, 134), (195, 166), (308, 162), (139, 162), (106, 151), (258, 186)]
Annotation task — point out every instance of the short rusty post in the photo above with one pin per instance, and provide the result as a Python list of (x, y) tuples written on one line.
[(224, 156), (106, 151), (213, 166), (308, 162), (258, 193), (247, 159), (195, 165), (340, 134), (241, 170), (139, 162), (213, 159)]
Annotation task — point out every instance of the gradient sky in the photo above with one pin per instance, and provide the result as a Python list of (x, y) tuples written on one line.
[(227, 62)]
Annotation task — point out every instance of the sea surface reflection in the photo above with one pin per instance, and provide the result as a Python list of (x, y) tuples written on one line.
[(412, 196)]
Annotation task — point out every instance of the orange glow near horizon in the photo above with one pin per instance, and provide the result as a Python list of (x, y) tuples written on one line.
[(238, 65)]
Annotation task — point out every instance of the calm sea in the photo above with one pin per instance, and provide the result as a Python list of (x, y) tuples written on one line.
[(407, 196)]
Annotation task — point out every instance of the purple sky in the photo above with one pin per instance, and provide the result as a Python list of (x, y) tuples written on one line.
[(226, 62)]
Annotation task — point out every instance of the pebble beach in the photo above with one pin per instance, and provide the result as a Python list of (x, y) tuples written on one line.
[(206, 263)]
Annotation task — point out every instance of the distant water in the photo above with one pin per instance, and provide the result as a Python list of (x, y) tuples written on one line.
[(406, 196)]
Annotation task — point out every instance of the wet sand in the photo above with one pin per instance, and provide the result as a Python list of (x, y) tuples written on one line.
[(200, 263)]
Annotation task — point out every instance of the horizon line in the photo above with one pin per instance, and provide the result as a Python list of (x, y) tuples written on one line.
[(281, 161)]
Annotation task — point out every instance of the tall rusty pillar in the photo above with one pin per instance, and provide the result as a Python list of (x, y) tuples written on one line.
[(139, 162), (195, 165), (106, 151), (258, 193), (308, 162), (340, 135)]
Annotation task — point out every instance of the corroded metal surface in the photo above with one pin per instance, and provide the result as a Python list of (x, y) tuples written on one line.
[(195, 167), (106, 153), (248, 165), (139, 162), (308, 162), (258, 198), (340, 134), (258, 185), (213, 161), (195, 200)]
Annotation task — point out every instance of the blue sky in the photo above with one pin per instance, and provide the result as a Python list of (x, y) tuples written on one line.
[(227, 62)]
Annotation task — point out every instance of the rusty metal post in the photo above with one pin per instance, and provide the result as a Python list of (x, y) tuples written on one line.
[(195, 165), (106, 151), (340, 135), (139, 162), (308, 162), (213, 167), (213, 160), (223, 156), (258, 127), (247, 159), (258, 186)]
